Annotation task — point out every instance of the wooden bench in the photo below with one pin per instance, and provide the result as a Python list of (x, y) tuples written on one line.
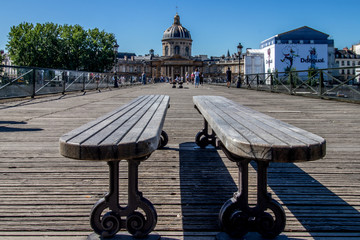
[(130, 133), (245, 135)]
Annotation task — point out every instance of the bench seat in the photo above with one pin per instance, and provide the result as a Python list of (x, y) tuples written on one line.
[(245, 135), (254, 135), (129, 132)]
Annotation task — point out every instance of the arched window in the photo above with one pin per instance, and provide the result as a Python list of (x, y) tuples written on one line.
[(187, 51), (166, 51), (177, 50)]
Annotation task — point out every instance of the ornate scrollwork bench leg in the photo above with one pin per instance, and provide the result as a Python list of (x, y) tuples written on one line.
[(139, 224), (203, 138), (236, 216)]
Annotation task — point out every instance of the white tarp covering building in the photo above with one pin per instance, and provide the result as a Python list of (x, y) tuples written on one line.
[(299, 49)]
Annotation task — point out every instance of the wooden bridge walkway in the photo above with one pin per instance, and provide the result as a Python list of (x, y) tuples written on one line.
[(46, 196)]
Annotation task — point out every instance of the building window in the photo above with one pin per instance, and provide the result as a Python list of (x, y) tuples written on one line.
[(177, 50), (342, 63), (348, 63), (166, 51), (187, 50)]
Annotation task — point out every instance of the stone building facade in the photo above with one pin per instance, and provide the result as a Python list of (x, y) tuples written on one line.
[(176, 59)]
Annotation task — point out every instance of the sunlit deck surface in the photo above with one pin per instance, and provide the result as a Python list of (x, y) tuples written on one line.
[(46, 196)]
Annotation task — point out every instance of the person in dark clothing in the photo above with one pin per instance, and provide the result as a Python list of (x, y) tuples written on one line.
[(228, 77)]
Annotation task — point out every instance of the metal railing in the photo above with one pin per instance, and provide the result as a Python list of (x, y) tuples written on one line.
[(323, 83), (27, 81)]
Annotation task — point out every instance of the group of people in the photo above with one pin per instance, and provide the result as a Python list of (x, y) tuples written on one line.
[(196, 78)]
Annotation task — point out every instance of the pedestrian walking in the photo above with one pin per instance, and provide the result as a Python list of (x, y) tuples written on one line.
[(143, 78), (201, 78), (197, 77), (228, 77), (187, 77)]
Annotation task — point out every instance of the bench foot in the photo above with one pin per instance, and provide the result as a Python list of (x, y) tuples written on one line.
[(164, 139), (203, 138), (237, 218), (108, 217)]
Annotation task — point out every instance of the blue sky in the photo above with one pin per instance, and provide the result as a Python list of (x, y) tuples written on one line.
[(216, 26)]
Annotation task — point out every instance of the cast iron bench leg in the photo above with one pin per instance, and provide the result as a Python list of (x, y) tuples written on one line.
[(203, 138), (138, 223), (237, 218)]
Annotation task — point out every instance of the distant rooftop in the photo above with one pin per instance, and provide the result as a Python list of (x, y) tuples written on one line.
[(304, 34), (123, 54)]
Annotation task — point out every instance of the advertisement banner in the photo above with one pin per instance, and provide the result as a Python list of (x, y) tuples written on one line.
[(297, 57), (269, 58)]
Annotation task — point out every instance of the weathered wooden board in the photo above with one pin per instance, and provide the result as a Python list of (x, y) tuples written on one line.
[(132, 131), (46, 196), (253, 135)]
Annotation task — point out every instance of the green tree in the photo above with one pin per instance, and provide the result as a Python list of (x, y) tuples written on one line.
[(312, 77), (20, 44), (99, 55), (53, 46), (73, 45), (2, 57)]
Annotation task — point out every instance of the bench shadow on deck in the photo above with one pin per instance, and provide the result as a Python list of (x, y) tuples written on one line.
[(10, 128), (311, 203), (206, 184)]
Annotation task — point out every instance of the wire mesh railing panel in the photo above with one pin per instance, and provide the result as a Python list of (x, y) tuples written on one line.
[(25, 81)]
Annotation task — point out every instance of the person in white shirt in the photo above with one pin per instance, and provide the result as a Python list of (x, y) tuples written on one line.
[(197, 77)]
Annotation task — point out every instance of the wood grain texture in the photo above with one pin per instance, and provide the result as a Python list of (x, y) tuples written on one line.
[(253, 135), (132, 131), (44, 195)]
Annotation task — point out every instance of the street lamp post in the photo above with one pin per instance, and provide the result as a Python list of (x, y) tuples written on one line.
[(116, 47), (239, 48)]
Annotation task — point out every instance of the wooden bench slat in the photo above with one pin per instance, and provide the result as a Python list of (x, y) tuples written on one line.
[(103, 129), (115, 136), (251, 134), (108, 139), (75, 132), (138, 124), (145, 132), (279, 126)]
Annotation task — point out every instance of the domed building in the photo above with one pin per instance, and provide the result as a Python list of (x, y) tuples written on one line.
[(176, 59), (176, 40)]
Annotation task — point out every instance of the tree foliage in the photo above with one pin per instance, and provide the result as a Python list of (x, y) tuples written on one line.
[(1, 56), (70, 47)]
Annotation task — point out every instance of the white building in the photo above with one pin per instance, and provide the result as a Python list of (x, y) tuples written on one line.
[(254, 61), (299, 49), (356, 49)]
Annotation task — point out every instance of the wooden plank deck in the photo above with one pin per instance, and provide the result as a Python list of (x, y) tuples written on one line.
[(46, 196)]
